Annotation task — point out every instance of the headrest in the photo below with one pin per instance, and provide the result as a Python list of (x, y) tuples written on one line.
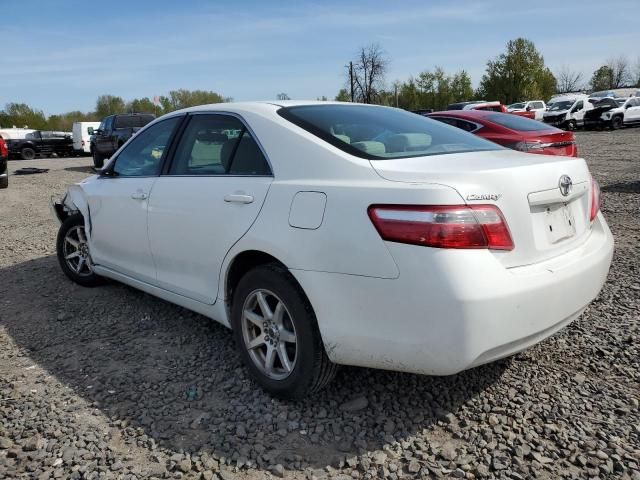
[(374, 148), (408, 142)]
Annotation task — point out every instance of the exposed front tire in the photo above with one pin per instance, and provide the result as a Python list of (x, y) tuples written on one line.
[(27, 153), (277, 334), (4, 181), (616, 123), (73, 252), (98, 160), (572, 125)]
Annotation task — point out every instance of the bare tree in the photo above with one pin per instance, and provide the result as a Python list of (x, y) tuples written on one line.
[(568, 80), (283, 96), (367, 73), (637, 72), (620, 71)]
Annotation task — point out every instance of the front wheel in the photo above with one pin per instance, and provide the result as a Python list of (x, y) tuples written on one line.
[(572, 125), (616, 123), (98, 160), (73, 252), (4, 181), (28, 153), (277, 334)]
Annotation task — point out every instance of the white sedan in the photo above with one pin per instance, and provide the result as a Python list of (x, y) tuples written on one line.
[(328, 233)]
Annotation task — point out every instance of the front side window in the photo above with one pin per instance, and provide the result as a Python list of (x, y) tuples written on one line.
[(142, 156), (218, 145), (380, 133)]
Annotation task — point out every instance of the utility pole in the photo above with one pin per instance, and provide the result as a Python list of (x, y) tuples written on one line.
[(351, 80), (395, 89)]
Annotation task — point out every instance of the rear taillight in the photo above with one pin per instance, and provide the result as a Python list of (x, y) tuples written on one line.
[(3, 148), (594, 200), (527, 146), (443, 226)]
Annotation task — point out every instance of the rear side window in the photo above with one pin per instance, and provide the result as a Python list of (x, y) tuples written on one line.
[(517, 123), (457, 122), (381, 133), (218, 145)]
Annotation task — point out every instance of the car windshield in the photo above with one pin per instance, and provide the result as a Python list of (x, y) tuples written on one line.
[(516, 122), (564, 105), (620, 101), (381, 133), (516, 105)]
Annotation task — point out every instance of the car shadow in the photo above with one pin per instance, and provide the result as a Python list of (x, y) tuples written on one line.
[(176, 376), (83, 169)]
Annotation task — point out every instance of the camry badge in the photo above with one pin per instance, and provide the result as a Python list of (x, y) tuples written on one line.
[(484, 196), (565, 185)]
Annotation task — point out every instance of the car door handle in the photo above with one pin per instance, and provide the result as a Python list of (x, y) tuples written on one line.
[(238, 198), (139, 196)]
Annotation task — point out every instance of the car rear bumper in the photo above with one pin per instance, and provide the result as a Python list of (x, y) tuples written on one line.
[(450, 310)]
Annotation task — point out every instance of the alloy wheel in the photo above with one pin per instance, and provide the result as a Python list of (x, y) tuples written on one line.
[(76, 251), (269, 334)]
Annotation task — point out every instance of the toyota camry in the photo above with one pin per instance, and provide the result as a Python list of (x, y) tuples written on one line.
[(328, 233)]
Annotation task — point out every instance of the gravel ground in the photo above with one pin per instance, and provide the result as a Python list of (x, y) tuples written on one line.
[(114, 383)]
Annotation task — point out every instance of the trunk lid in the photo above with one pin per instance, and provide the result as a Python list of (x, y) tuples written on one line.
[(543, 222)]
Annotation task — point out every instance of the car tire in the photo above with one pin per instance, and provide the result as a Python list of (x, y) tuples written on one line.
[(27, 153), (98, 160), (72, 240), (572, 125), (286, 333), (4, 181), (616, 123)]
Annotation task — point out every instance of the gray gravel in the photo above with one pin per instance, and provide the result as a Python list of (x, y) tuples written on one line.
[(114, 383)]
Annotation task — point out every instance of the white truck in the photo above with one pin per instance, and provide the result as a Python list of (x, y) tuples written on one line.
[(567, 111), (538, 108), (81, 137)]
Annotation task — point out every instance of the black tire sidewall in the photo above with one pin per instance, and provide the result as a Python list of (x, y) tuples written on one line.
[(4, 182), (616, 123), (31, 153), (86, 281), (279, 281), (98, 161)]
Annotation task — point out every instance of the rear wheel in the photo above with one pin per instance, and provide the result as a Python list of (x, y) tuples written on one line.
[(98, 160), (4, 181), (28, 153), (616, 123), (73, 252), (277, 334)]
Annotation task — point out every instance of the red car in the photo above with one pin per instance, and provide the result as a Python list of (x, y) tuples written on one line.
[(512, 131)]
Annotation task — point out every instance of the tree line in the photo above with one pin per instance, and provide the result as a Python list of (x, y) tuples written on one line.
[(21, 114), (517, 74)]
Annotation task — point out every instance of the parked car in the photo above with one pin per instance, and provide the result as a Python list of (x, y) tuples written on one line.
[(82, 137), (113, 132), (478, 105), (15, 133), (532, 109), (567, 111), (512, 131), (329, 233), (41, 142), (4, 164), (614, 113), (602, 94)]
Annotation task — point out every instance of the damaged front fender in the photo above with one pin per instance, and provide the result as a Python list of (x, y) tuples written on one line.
[(74, 201)]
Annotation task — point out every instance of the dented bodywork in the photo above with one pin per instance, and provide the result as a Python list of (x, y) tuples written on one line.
[(73, 201)]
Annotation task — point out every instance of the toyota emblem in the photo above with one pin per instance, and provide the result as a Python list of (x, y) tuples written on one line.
[(565, 184)]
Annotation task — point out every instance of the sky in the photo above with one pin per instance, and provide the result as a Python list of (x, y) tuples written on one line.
[(64, 53)]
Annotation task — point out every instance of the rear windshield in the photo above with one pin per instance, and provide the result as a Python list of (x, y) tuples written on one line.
[(516, 122), (133, 121), (381, 133)]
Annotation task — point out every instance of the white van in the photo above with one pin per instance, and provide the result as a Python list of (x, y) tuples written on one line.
[(81, 143), (567, 111)]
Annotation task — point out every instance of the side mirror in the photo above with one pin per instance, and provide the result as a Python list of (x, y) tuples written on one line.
[(528, 108), (90, 130)]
